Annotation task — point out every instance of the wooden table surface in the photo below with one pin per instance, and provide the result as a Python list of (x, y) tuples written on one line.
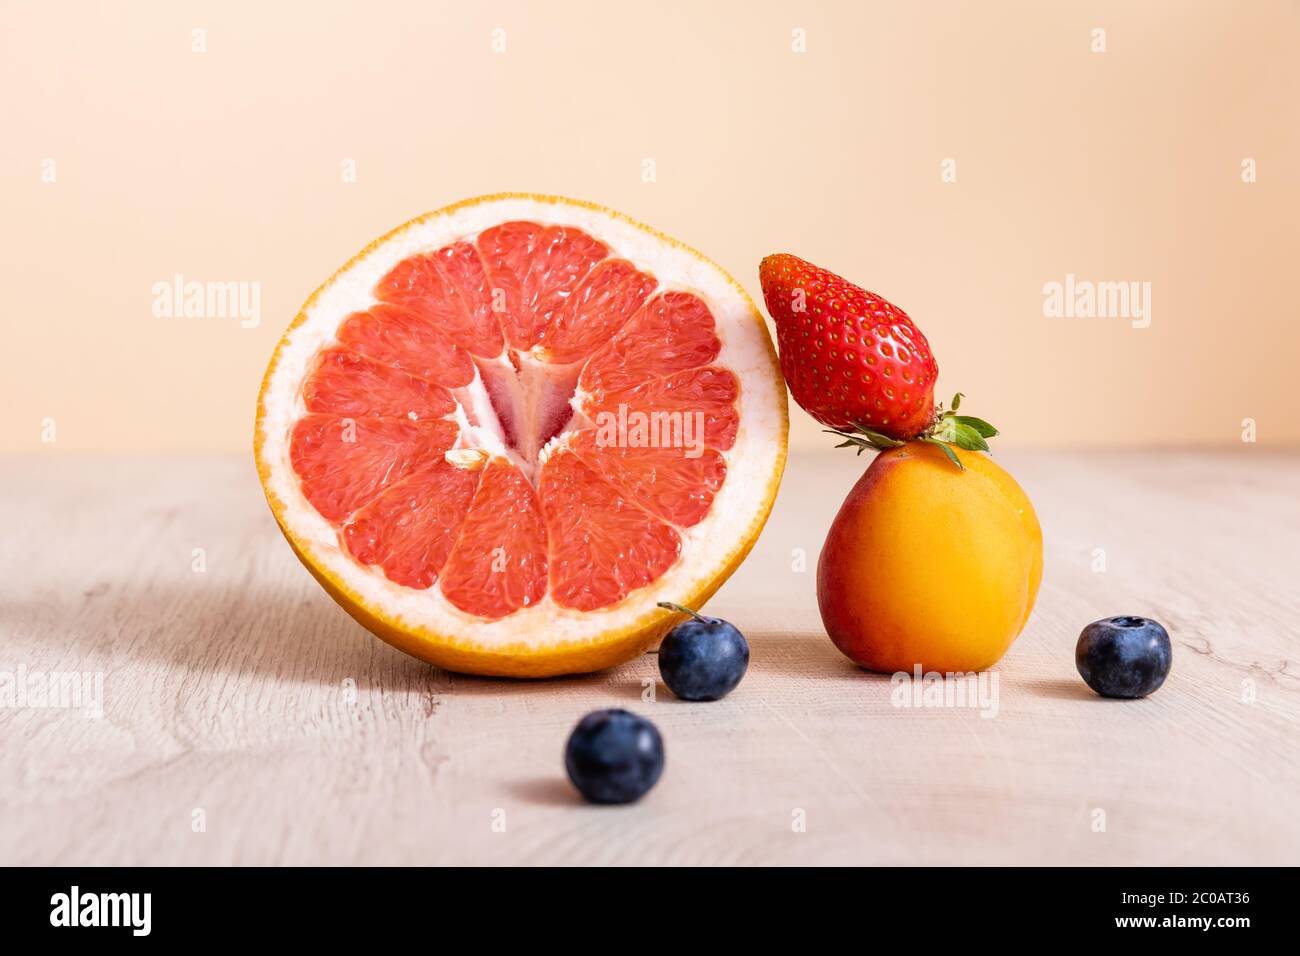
[(247, 719)]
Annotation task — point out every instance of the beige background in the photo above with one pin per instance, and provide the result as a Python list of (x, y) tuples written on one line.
[(226, 165)]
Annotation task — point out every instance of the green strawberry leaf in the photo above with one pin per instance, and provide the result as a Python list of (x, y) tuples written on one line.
[(851, 442), (952, 455), (946, 428), (979, 424), (970, 439), (877, 439), (861, 445), (863, 438)]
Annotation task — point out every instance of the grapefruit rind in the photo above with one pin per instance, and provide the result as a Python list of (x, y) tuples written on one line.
[(543, 639)]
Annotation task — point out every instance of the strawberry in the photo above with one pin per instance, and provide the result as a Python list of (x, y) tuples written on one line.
[(857, 363)]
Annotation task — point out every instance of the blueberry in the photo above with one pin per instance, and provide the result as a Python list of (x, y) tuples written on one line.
[(614, 756), (703, 658), (1124, 656)]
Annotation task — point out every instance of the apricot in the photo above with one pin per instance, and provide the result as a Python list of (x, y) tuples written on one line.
[(929, 564)]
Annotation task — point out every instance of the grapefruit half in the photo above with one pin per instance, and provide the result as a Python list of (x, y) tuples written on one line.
[(505, 430)]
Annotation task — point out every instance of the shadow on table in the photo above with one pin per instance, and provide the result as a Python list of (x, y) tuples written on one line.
[(294, 633), (554, 791), (1062, 690)]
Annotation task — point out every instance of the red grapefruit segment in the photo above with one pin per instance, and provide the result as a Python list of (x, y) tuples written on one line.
[(672, 483), (344, 463), (345, 383), (535, 267), (698, 401), (461, 308), (463, 266), (672, 332), (598, 308), (603, 546), (401, 338), (498, 564), (408, 531)]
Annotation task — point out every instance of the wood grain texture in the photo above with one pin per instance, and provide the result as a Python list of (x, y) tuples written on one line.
[(230, 691)]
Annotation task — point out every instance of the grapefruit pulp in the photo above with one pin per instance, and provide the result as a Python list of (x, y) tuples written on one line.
[(504, 431)]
